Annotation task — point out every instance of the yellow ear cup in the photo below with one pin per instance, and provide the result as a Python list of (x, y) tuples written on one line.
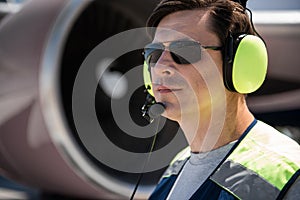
[(250, 64), (147, 79)]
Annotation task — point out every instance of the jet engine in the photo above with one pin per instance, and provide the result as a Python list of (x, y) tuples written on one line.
[(71, 99)]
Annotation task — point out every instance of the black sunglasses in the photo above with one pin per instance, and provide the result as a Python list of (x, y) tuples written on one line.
[(182, 51)]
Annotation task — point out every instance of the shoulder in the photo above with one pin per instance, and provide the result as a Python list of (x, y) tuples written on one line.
[(265, 145), (275, 142), (264, 156)]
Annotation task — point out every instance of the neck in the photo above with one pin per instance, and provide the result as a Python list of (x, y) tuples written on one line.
[(206, 132)]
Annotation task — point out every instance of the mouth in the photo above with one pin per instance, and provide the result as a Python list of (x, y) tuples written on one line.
[(165, 89)]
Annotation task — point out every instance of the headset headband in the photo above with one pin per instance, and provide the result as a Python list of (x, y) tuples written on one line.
[(242, 2)]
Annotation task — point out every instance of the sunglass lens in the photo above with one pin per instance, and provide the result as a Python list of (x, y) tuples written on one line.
[(185, 52), (154, 56), (152, 53)]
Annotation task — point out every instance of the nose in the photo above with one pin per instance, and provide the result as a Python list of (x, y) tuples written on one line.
[(165, 65)]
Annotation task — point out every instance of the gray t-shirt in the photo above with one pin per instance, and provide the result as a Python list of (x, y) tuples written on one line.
[(197, 169)]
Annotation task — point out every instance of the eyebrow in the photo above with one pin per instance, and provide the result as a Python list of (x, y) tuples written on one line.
[(177, 39)]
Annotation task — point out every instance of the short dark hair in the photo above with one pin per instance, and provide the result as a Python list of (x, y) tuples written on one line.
[(226, 16)]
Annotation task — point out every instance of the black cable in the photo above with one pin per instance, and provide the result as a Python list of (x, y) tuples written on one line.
[(146, 162)]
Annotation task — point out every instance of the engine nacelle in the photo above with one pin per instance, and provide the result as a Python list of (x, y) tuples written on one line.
[(43, 46)]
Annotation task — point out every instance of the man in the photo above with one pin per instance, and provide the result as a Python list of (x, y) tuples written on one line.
[(231, 155)]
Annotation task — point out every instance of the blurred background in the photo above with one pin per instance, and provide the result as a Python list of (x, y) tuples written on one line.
[(42, 46)]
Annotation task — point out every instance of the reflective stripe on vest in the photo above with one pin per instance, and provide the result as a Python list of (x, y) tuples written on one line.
[(260, 166)]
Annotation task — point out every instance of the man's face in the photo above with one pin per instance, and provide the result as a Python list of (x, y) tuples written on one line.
[(185, 89)]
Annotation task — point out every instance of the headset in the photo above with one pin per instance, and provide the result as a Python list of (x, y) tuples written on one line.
[(245, 61), (147, 79)]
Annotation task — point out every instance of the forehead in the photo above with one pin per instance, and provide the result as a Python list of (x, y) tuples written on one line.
[(182, 24)]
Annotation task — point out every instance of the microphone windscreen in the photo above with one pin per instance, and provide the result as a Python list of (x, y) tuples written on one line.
[(156, 110)]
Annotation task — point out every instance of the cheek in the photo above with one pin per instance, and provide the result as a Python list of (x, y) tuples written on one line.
[(205, 78), (209, 69), (195, 78), (214, 59)]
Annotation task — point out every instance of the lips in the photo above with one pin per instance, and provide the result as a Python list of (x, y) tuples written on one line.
[(165, 89)]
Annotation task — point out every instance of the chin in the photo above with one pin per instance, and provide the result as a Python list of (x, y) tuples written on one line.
[(172, 113)]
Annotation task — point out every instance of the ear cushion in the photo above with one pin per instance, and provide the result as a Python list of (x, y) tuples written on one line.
[(147, 79), (246, 72)]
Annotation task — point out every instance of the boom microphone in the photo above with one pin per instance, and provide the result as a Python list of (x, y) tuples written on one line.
[(156, 110), (152, 109)]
